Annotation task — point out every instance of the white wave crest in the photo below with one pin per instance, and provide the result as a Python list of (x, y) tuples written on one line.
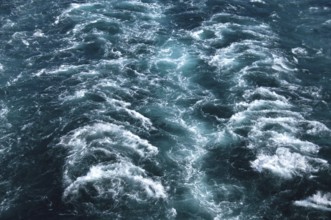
[(115, 181), (287, 164), (81, 139), (319, 200)]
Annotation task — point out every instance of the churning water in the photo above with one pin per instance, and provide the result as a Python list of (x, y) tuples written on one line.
[(164, 109)]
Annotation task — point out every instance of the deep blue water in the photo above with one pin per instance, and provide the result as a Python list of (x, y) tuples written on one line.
[(155, 109)]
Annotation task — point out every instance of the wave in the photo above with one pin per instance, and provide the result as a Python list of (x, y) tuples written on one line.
[(320, 201)]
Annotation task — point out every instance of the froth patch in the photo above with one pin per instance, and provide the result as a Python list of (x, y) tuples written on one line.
[(102, 166), (73, 7), (287, 164), (277, 125), (121, 105), (267, 104), (320, 201), (3, 111), (115, 181), (290, 141), (317, 128), (225, 138), (299, 51), (38, 33), (257, 1), (250, 112), (281, 64), (80, 139), (265, 93), (77, 95)]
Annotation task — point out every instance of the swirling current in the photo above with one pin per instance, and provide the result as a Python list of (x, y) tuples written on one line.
[(164, 109)]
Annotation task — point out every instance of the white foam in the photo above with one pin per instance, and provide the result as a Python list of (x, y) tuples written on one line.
[(146, 122), (314, 8), (257, 1), (249, 116), (38, 33), (320, 201), (265, 93), (89, 73), (79, 139), (319, 9), (172, 57), (217, 29), (291, 154), (4, 110), (121, 105), (299, 51), (25, 42), (172, 213), (287, 164), (11, 197), (196, 34), (226, 138), (238, 119), (317, 128), (225, 57), (40, 72), (313, 91), (268, 104), (8, 24), (289, 124), (258, 108), (281, 64), (117, 179), (66, 68), (250, 26), (100, 18), (73, 6), (327, 23), (107, 83), (118, 103), (232, 56), (215, 17), (286, 140), (281, 132), (77, 95), (265, 129), (221, 61)]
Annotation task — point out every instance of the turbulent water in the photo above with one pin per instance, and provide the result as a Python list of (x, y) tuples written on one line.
[(160, 109)]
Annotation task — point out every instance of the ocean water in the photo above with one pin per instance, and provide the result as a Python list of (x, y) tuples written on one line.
[(164, 109)]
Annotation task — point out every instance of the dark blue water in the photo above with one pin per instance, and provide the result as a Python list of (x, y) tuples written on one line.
[(154, 109)]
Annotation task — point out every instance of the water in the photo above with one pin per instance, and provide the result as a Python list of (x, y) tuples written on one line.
[(158, 109)]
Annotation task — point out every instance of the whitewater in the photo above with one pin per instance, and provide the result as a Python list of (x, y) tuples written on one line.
[(164, 109)]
